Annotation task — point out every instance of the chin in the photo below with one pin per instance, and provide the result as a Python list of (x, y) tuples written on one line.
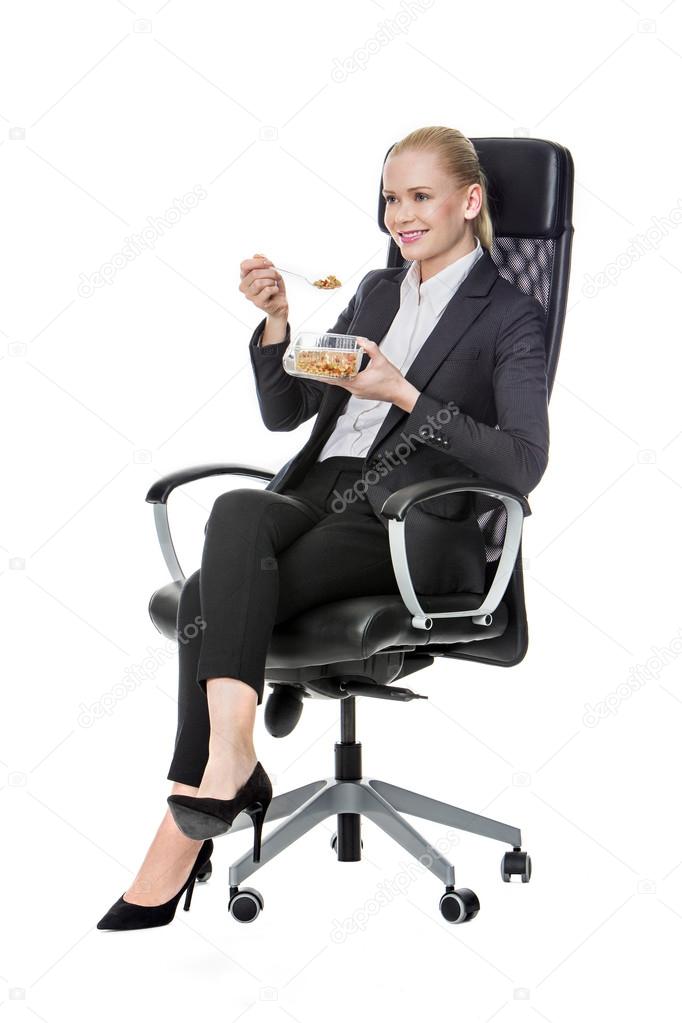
[(408, 248)]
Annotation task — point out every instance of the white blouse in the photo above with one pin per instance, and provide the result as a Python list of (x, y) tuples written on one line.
[(421, 306)]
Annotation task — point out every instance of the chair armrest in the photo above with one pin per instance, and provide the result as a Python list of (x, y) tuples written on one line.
[(161, 490), (396, 508), (398, 504)]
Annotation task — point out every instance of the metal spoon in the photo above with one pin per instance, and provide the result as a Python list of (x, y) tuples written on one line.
[(307, 279)]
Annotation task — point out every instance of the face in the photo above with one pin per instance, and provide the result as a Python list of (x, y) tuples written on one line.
[(421, 197)]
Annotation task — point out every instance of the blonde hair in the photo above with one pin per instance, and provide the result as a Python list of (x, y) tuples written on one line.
[(459, 158)]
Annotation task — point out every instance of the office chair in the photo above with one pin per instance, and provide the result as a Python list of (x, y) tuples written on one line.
[(361, 647)]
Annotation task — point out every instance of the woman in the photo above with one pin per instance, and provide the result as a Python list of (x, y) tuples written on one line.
[(271, 554)]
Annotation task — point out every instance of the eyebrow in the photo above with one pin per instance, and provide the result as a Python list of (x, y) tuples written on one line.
[(415, 188)]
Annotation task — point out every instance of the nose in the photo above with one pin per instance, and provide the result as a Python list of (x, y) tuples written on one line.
[(404, 219)]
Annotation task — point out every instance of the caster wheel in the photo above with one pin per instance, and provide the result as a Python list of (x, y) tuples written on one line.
[(204, 874), (332, 842), (516, 862), (459, 905), (245, 904)]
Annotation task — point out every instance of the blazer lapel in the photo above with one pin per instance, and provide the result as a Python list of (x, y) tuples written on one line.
[(465, 306), (373, 318)]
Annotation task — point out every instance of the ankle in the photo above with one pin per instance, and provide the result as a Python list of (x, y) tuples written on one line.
[(238, 754), (179, 788), (226, 772)]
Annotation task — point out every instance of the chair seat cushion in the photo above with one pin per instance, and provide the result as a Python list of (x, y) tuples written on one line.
[(359, 628), (351, 629)]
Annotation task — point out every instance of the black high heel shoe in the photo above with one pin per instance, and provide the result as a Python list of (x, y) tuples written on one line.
[(206, 817), (127, 916)]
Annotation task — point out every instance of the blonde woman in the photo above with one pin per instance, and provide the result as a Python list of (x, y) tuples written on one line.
[(453, 383)]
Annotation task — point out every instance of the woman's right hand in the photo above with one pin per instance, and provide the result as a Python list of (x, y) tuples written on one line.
[(263, 285)]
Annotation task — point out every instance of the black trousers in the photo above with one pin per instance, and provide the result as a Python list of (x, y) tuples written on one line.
[(267, 557)]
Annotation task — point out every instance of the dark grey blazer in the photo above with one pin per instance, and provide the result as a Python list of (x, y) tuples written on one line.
[(486, 355), (483, 408), (482, 368)]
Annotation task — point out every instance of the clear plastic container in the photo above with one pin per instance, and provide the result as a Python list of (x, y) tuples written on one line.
[(323, 356)]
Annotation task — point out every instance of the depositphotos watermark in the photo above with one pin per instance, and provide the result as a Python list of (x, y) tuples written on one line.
[(389, 28), (136, 674), (135, 244), (386, 464), (639, 675), (387, 890), (640, 246)]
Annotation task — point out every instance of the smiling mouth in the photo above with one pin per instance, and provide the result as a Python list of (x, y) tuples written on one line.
[(410, 235)]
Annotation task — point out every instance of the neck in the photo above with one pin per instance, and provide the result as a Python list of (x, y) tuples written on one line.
[(434, 264)]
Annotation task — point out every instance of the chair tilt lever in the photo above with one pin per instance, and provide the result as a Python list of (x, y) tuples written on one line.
[(359, 688)]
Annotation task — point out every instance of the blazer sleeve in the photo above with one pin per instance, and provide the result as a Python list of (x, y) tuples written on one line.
[(286, 401), (516, 451)]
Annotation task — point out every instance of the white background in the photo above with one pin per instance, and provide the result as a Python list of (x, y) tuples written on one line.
[(106, 119)]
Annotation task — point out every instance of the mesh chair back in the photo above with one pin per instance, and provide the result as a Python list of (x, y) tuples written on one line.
[(530, 196)]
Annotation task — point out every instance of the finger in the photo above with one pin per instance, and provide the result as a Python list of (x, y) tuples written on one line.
[(258, 262), (249, 264), (264, 274), (252, 288), (264, 297), (261, 285), (248, 282)]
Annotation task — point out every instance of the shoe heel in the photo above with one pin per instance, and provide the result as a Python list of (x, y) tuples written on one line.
[(188, 895), (257, 814)]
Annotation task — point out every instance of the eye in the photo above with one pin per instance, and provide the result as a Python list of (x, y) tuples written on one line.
[(388, 198)]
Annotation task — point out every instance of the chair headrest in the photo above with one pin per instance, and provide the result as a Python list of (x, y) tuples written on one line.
[(530, 182)]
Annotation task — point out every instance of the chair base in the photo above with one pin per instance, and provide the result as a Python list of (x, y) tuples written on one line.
[(381, 803), (351, 796)]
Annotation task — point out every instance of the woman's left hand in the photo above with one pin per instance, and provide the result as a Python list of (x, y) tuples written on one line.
[(380, 380)]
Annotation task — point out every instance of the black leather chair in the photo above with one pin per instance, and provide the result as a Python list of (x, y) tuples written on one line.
[(362, 647)]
